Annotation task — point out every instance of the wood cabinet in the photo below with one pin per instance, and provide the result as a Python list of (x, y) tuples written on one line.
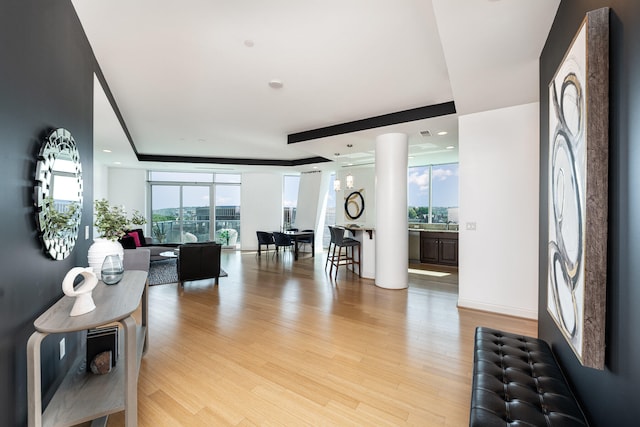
[(439, 247), (84, 396), (414, 245)]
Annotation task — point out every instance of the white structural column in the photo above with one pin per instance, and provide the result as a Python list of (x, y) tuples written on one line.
[(392, 235)]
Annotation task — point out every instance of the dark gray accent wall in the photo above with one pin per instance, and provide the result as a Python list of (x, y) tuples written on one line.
[(609, 397), (46, 81)]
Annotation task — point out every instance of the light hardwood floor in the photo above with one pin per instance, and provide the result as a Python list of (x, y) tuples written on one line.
[(279, 343)]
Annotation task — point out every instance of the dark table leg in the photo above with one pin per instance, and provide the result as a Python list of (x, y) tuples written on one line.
[(295, 243)]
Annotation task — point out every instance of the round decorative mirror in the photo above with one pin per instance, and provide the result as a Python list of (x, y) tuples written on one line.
[(58, 193)]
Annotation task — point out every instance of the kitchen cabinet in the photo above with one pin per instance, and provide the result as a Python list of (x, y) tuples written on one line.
[(414, 245), (439, 247)]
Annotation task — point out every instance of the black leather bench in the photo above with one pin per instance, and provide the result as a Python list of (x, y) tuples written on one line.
[(517, 382)]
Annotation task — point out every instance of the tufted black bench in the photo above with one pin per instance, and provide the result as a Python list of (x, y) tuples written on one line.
[(517, 382)]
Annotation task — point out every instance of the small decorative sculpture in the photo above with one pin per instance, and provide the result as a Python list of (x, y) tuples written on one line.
[(101, 364), (84, 302)]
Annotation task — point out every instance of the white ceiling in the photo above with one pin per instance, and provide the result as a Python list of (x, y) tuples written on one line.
[(187, 83)]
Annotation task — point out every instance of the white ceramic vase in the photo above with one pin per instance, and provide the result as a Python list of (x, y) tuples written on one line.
[(99, 250)]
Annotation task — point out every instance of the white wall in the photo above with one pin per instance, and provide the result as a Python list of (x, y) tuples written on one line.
[(312, 204), (364, 180), (120, 186), (499, 170), (100, 182), (128, 188), (261, 210), (308, 200)]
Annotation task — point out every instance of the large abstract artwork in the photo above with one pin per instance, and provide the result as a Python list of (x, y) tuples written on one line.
[(578, 168)]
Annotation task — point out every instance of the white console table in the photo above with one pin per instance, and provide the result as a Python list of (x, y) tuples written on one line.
[(84, 396)]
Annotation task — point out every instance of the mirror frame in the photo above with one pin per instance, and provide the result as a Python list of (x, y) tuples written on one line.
[(57, 243)]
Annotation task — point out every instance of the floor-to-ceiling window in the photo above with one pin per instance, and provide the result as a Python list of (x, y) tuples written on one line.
[(290, 186), (433, 193), (227, 208), (182, 212), (330, 213)]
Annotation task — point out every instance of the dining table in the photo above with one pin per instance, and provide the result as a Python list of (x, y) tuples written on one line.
[(302, 237)]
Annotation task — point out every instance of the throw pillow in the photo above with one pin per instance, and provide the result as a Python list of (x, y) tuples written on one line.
[(135, 238), (141, 239), (128, 242)]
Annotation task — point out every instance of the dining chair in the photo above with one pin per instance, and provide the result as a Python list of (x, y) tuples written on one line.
[(306, 240), (264, 239), (281, 240)]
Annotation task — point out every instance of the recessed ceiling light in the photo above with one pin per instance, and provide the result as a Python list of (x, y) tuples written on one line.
[(443, 132), (276, 84), (450, 147), (117, 163), (106, 151)]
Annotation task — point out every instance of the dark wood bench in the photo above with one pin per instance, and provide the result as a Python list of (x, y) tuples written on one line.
[(517, 381)]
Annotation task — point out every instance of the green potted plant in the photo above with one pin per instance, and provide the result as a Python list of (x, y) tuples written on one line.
[(159, 233), (112, 223), (62, 222), (224, 235)]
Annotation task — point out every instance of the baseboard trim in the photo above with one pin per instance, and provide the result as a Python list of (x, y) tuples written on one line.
[(498, 309)]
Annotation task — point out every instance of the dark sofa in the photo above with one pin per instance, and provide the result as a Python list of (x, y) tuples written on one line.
[(130, 242)]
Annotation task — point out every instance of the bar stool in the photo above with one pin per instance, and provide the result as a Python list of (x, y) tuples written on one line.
[(339, 241), (332, 241)]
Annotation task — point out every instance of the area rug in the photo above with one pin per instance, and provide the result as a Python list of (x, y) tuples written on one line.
[(164, 271)]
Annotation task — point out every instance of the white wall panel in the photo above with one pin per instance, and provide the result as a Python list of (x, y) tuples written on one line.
[(499, 160), (261, 206)]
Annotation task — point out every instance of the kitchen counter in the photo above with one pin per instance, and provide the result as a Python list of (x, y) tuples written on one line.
[(433, 230), (366, 236)]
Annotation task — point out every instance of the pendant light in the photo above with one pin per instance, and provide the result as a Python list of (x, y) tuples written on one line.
[(336, 181), (349, 181), (349, 178)]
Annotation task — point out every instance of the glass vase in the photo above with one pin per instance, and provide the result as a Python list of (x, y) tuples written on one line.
[(112, 270)]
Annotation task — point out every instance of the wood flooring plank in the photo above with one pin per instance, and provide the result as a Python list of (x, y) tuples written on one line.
[(278, 343)]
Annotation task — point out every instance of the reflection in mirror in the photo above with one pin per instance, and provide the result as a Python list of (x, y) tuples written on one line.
[(58, 193)]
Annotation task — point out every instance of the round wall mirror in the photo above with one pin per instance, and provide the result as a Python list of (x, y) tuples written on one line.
[(58, 193)]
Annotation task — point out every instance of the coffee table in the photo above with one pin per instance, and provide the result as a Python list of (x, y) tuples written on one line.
[(171, 254)]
